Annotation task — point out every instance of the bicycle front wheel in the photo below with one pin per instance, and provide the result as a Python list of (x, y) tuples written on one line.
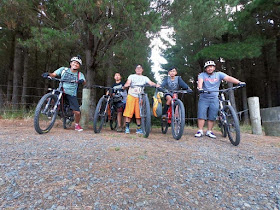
[(45, 114), (178, 119), (232, 125), (99, 115), (145, 115)]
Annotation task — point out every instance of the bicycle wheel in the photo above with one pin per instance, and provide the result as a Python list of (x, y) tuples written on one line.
[(164, 125), (145, 115), (232, 125), (178, 119), (113, 120), (221, 123), (99, 115), (45, 114)]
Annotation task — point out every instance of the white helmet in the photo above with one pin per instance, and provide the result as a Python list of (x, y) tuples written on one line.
[(209, 63), (78, 59)]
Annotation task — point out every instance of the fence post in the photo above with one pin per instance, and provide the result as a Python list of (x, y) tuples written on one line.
[(255, 116), (85, 108)]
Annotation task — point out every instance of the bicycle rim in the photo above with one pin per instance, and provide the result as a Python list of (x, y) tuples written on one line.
[(145, 115), (113, 121), (233, 128), (99, 115), (178, 119), (45, 115)]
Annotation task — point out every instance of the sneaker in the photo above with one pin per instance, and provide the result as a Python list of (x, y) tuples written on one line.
[(210, 134), (78, 127), (127, 131), (119, 129), (199, 134), (139, 131)]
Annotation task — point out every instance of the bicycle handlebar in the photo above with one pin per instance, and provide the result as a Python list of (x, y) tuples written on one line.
[(174, 91), (60, 80), (222, 90)]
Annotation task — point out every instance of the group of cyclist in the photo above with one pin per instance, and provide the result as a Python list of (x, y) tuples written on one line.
[(208, 104)]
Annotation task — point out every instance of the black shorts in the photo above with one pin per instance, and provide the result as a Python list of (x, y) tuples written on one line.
[(120, 106), (73, 102)]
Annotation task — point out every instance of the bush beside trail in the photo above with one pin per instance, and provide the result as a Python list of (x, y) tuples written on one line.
[(65, 169)]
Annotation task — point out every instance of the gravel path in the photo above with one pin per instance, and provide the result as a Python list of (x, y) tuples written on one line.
[(68, 170)]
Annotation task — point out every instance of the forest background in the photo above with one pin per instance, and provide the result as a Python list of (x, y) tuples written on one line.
[(241, 36)]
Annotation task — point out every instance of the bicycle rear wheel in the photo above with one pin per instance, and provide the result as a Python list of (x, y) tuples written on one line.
[(113, 120), (221, 124), (178, 119), (45, 115), (164, 125), (100, 115), (145, 115), (232, 125)]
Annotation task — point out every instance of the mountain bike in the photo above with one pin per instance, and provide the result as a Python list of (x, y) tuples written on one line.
[(50, 105), (106, 109), (175, 115), (227, 118)]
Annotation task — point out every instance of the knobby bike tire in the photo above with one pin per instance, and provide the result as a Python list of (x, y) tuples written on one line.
[(44, 119), (114, 121), (164, 125), (67, 122), (178, 119), (233, 128), (146, 116), (221, 124), (99, 116)]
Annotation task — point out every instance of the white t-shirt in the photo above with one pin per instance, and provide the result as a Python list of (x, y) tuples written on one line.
[(137, 80)]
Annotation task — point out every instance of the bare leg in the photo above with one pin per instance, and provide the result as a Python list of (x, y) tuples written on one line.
[(200, 123), (138, 121), (77, 116), (119, 118), (210, 124)]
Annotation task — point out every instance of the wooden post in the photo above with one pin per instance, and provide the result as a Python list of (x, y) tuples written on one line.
[(85, 109), (255, 116)]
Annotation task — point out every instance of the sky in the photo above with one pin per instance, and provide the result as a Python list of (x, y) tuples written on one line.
[(157, 46)]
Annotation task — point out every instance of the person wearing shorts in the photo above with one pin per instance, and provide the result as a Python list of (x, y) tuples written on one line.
[(132, 101), (70, 89), (208, 104), (172, 82), (120, 104)]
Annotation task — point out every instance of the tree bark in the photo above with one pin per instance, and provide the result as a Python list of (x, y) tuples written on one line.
[(11, 71), (18, 61), (25, 78), (231, 92), (244, 94)]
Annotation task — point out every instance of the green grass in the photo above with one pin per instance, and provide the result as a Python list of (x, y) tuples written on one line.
[(17, 114)]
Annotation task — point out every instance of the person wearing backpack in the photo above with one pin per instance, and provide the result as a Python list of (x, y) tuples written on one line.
[(70, 89), (172, 82)]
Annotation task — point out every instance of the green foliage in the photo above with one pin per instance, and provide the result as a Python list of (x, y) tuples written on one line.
[(249, 48)]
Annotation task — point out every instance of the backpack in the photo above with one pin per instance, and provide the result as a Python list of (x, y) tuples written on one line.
[(157, 104), (65, 69)]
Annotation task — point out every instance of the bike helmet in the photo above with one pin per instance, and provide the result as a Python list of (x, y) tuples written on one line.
[(209, 63), (78, 59)]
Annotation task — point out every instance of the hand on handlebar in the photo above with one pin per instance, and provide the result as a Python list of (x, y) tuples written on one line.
[(201, 90), (81, 81), (242, 84), (45, 75)]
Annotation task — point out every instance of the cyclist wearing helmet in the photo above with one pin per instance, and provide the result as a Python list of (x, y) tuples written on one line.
[(70, 89), (208, 104)]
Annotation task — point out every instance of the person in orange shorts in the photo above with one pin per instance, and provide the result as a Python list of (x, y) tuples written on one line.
[(132, 101)]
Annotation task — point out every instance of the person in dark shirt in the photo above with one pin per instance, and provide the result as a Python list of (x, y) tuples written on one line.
[(172, 82)]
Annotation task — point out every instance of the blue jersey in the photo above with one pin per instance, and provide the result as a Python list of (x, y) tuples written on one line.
[(212, 83)]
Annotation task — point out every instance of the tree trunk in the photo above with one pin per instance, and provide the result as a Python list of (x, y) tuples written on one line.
[(18, 61), (268, 86), (25, 78), (231, 92), (278, 66), (11, 71), (244, 94)]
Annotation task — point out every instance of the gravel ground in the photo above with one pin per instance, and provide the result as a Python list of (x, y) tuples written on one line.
[(65, 169)]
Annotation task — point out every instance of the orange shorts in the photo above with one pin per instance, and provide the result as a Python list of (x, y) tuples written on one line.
[(132, 107)]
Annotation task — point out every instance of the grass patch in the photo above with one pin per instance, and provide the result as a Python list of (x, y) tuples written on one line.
[(17, 114)]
